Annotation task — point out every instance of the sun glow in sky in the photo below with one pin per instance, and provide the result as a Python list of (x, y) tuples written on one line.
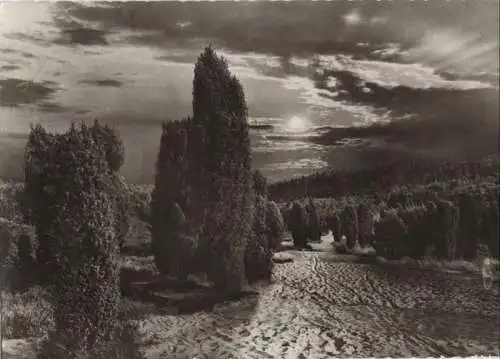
[(297, 124), (352, 18)]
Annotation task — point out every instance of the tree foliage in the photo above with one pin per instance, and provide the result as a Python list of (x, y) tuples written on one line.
[(204, 167), (78, 222)]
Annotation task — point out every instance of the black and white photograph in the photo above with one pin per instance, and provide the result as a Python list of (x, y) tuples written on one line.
[(249, 179)]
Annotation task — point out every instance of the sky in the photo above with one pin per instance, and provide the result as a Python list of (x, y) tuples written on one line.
[(305, 67)]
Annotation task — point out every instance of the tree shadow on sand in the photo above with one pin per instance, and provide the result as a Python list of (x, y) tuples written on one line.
[(185, 319), (173, 296)]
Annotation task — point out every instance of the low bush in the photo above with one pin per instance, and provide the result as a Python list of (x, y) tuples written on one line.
[(350, 225), (389, 238), (446, 229), (365, 220), (313, 222), (334, 224)]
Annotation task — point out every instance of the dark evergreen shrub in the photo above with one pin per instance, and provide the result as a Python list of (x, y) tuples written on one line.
[(113, 145), (490, 224), (259, 183), (123, 208), (335, 225), (275, 225), (79, 222), (298, 224), (313, 222), (447, 217), (416, 240), (39, 150), (26, 262), (220, 154), (365, 219), (258, 252), (169, 198), (350, 225), (390, 233), (469, 226), (17, 264)]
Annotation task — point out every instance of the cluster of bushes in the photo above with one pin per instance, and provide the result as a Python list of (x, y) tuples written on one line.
[(448, 220), (78, 206), (209, 213), (303, 221)]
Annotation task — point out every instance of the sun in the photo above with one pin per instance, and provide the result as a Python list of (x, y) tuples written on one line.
[(297, 123), (352, 18)]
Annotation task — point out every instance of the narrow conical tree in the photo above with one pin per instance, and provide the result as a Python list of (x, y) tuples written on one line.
[(220, 151), (298, 221)]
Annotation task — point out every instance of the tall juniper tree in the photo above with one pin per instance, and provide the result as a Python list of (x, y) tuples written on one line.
[(220, 151)]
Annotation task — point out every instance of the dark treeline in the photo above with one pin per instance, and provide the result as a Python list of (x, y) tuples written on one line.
[(380, 178)]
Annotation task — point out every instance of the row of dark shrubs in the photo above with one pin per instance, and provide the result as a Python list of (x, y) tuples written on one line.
[(446, 220)]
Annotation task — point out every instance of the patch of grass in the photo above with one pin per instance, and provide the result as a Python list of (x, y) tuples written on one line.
[(126, 344)]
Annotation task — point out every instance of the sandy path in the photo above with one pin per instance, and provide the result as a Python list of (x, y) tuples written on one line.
[(323, 305)]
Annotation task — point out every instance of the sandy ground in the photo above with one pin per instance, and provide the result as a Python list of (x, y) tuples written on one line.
[(324, 305)]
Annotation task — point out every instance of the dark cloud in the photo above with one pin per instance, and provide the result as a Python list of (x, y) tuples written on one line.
[(261, 127), (454, 122), (16, 92), (25, 54), (103, 83), (53, 107), (82, 36), (296, 27), (9, 67)]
